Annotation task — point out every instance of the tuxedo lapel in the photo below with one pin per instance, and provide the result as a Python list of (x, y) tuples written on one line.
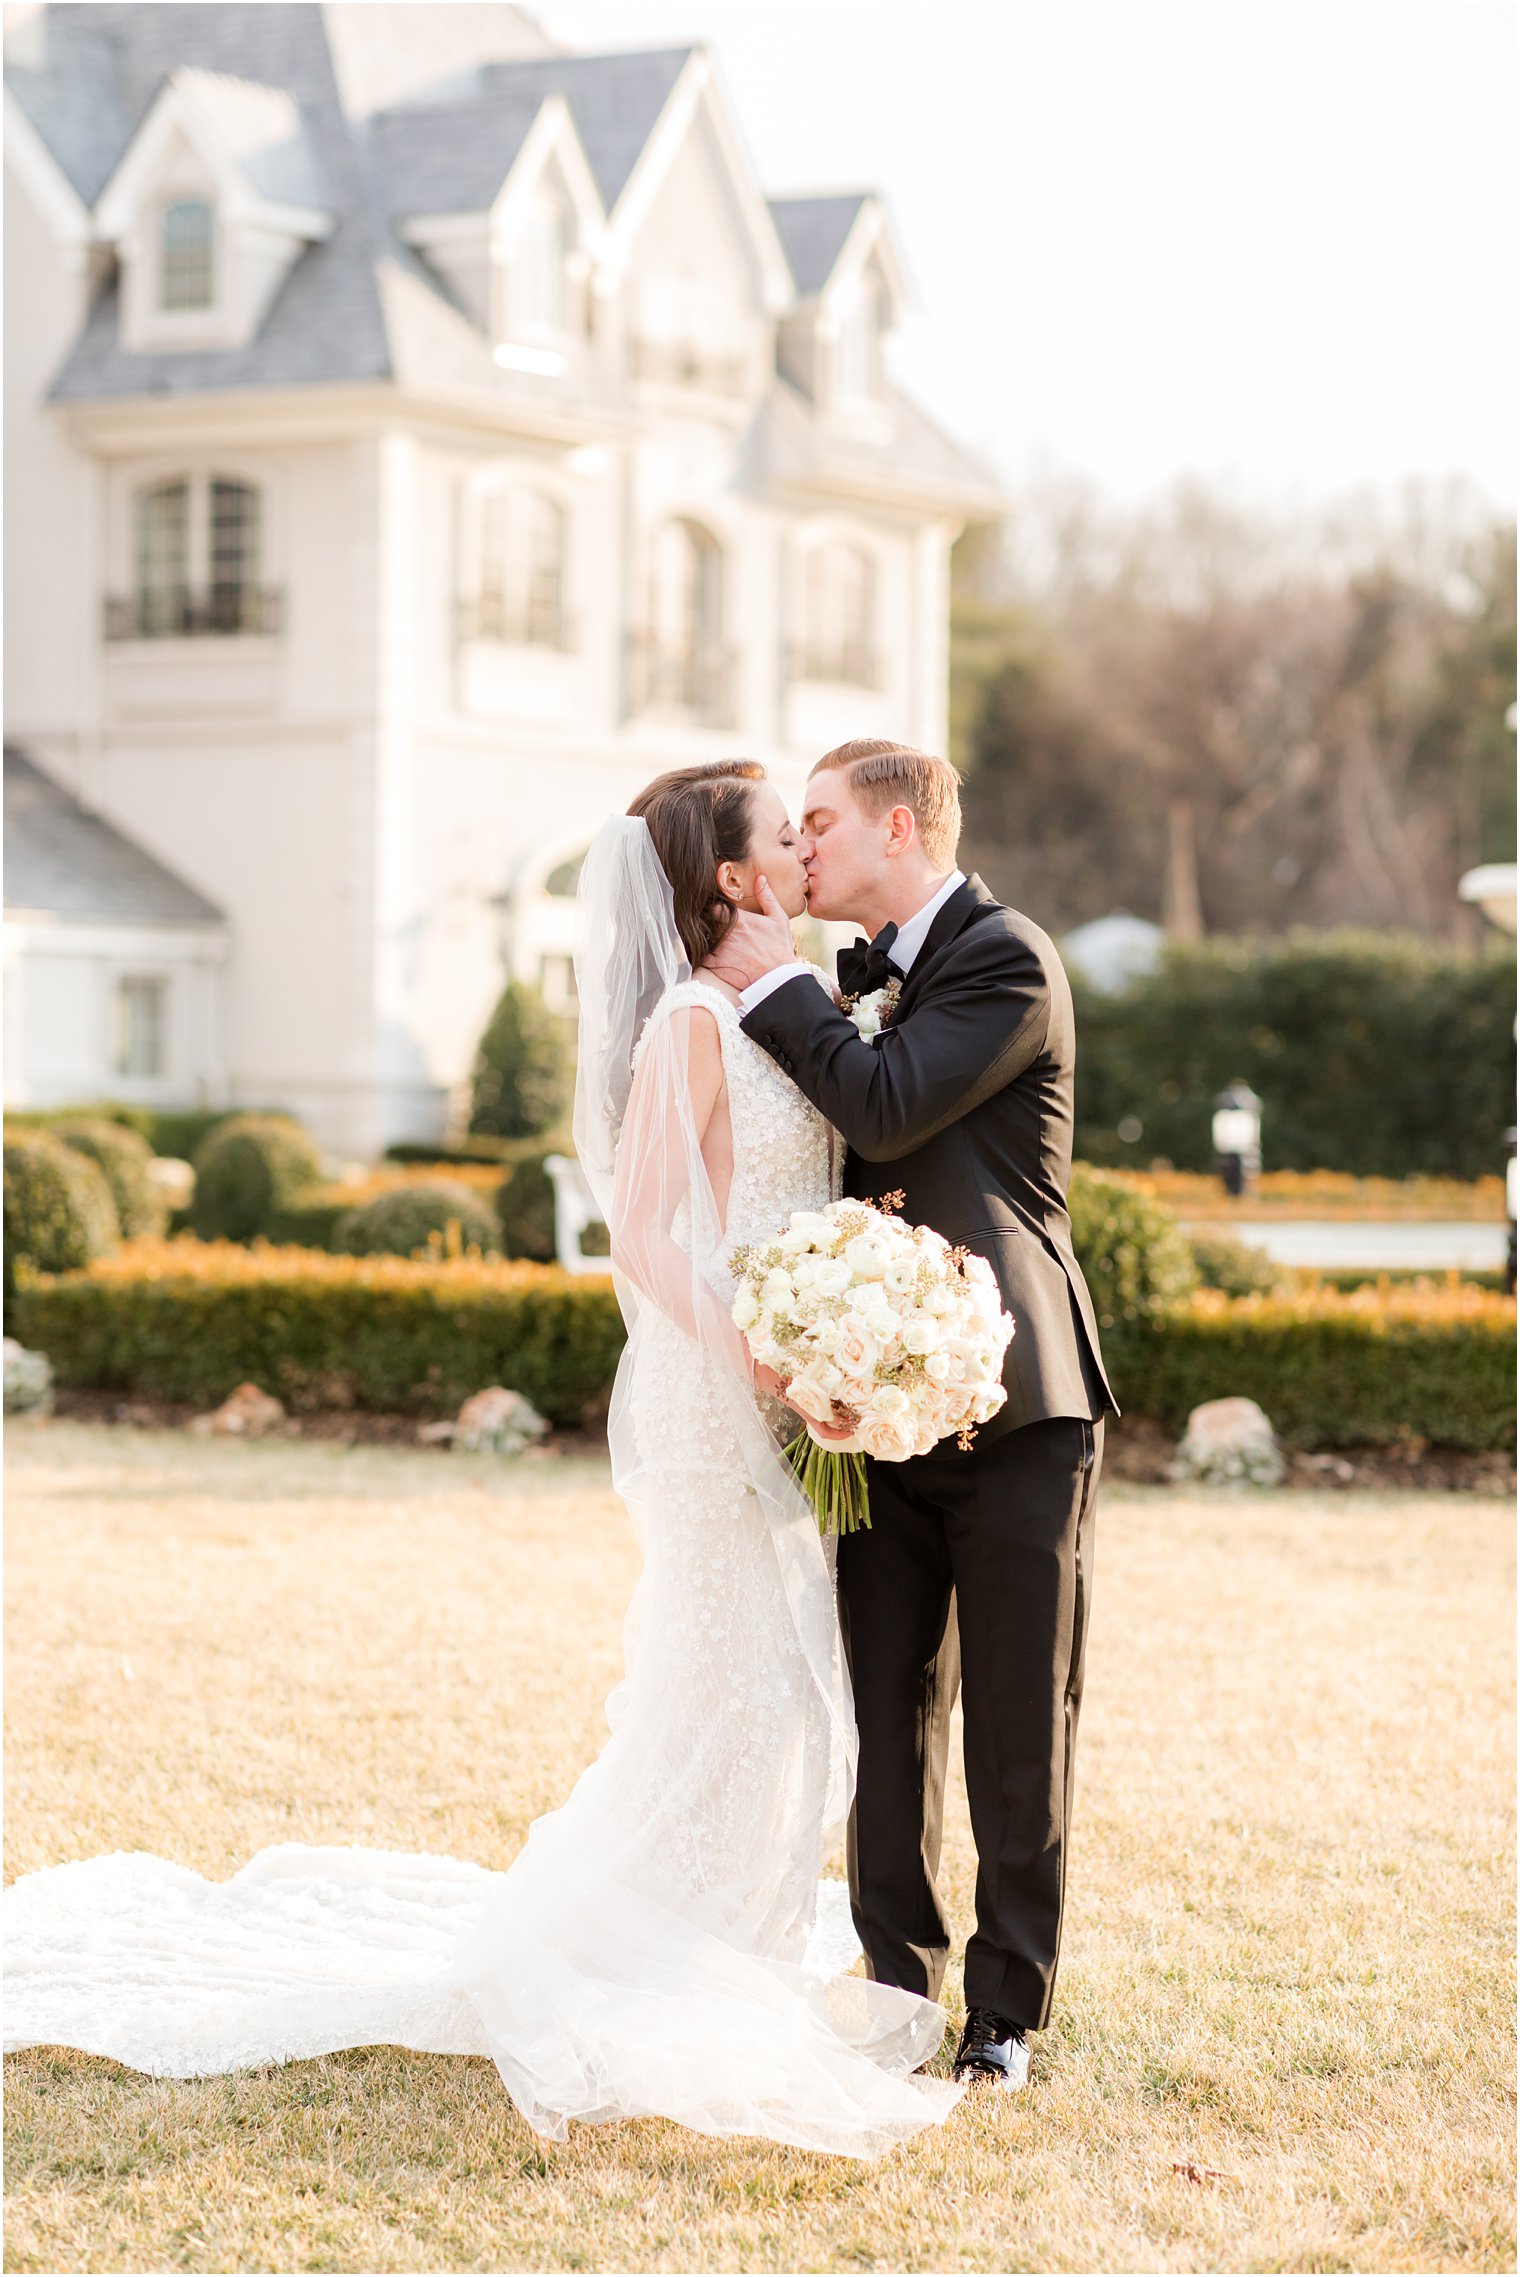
[(966, 904)]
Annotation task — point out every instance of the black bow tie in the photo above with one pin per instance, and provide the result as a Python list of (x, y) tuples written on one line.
[(864, 966)]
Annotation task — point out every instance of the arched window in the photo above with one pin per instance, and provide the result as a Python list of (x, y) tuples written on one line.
[(538, 297), (187, 275), (520, 594), (838, 629), (860, 345), (682, 663), (197, 563), (163, 561)]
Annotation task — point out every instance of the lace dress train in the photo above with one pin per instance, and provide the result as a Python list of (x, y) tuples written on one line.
[(656, 1947)]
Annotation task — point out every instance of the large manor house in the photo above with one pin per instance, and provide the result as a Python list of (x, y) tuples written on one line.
[(416, 436)]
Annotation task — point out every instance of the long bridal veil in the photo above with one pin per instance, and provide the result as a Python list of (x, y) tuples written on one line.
[(648, 1950)]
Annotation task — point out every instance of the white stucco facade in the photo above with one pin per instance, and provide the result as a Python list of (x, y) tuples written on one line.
[(370, 774)]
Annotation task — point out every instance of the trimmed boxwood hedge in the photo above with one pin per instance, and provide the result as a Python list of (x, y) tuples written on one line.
[(250, 1167), (58, 1208), (124, 1158), (191, 1320), (187, 1320), (1332, 1369)]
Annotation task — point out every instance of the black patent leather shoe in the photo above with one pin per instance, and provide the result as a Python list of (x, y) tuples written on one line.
[(993, 2052)]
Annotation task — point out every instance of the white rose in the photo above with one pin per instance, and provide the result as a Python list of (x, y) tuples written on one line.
[(827, 1335), (941, 1301), (979, 1273), (807, 1394), (857, 1350), (887, 1440), (937, 1367), (920, 1335), (866, 1257), (776, 1288), (814, 1225), (805, 1273), (746, 1307), (891, 1400)]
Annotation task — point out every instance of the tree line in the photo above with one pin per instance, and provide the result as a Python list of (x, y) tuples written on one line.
[(1229, 721)]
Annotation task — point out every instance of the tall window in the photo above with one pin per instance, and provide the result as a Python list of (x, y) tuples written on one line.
[(142, 1026), (860, 345), (188, 271), (838, 634), (163, 560), (197, 568), (522, 568), (680, 663), (687, 611), (538, 299), (234, 556)]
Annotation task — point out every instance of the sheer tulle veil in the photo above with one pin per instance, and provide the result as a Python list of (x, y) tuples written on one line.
[(642, 1156)]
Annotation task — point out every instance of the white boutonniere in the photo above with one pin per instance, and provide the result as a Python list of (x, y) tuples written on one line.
[(872, 1011)]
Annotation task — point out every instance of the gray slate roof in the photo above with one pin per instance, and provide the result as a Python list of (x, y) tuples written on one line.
[(812, 233), (75, 865)]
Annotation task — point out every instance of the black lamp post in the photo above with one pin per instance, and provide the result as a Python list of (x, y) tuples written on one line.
[(1237, 1136)]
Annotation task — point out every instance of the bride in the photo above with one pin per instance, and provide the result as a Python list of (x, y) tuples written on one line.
[(652, 1948)]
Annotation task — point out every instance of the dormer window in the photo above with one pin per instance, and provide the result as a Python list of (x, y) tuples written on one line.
[(187, 267), (539, 280), (860, 344)]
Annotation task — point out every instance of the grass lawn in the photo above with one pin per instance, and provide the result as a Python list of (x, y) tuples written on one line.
[(1288, 1944)]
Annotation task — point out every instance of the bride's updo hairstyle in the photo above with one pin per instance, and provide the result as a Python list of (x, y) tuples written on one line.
[(697, 818)]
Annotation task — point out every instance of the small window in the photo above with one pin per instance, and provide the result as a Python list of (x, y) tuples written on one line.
[(556, 983), (142, 1026), (163, 561), (538, 299), (522, 565), (188, 276)]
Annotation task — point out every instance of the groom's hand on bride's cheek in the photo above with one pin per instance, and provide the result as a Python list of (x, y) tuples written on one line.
[(755, 943)]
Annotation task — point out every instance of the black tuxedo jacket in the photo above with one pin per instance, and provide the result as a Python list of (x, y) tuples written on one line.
[(965, 1103)]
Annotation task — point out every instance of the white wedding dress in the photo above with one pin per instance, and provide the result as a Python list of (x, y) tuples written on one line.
[(653, 1948)]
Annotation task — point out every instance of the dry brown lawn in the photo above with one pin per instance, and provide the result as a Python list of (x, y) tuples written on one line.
[(1289, 1940)]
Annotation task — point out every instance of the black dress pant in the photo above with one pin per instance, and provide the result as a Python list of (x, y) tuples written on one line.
[(975, 1573)]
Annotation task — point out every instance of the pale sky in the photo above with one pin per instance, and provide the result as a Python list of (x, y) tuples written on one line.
[(1270, 242)]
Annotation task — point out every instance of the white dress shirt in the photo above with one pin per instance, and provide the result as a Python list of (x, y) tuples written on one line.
[(910, 939)]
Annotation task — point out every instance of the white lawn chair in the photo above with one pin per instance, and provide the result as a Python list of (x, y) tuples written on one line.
[(574, 1211)]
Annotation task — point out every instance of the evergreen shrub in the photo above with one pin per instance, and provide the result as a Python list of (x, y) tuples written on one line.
[(126, 1159), (1136, 1260), (246, 1170), (520, 1087), (59, 1214), (1380, 1054), (400, 1223)]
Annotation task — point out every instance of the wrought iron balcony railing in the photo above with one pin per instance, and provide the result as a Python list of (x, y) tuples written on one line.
[(215, 612), (693, 681), (514, 622), (842, 663), (687, 363)]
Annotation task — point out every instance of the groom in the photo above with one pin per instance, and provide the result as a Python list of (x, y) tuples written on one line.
[(977, 1570)]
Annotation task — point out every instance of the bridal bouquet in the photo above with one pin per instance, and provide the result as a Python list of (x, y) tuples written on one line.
[(878, 1327)]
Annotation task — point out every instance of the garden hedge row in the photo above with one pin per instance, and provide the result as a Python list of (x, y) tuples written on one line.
[(1376, 1053), (189, 1321), (1332, 1368)]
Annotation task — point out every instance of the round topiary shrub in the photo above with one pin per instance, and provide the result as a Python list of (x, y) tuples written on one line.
[(1233, 1266), (126, 1160), (59, 1214), (1136, 1258), (248, 1168), (398, 1224)]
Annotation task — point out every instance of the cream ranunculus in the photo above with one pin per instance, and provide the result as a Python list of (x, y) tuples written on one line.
[(866, 1257), (900, 1276), (832, 1276)]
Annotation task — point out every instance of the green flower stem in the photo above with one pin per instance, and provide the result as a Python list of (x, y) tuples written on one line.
[(834, 1484)]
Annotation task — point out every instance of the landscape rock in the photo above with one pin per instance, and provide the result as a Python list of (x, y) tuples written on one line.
[(28, 1380), (1229, 1442), (498, 1422), (245, 1414)]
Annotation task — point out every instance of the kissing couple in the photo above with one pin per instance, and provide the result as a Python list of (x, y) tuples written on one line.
[(662, 1944)]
